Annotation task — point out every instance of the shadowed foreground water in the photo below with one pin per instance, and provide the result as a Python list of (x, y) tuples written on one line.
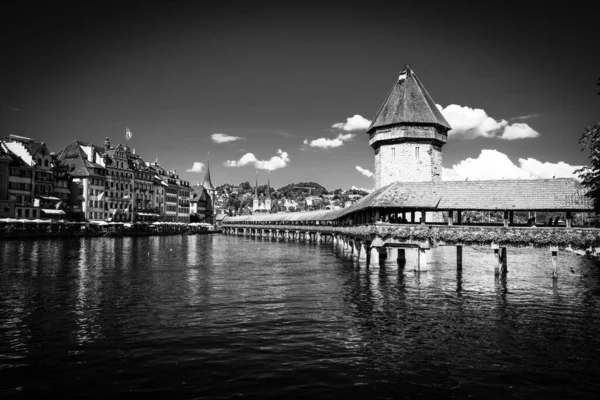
[(221, 316)]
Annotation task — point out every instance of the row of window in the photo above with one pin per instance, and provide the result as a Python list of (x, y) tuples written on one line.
[(21, 173), (40, 162), (24, 213), (44, 176), (96, 182), (19, 186), (96, 203), (95, 215)]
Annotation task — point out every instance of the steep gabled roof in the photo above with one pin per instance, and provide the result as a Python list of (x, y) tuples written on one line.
[(408, 103), (73, 150)]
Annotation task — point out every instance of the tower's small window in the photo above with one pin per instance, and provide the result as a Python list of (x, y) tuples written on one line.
[(417, 153), (393, 152)]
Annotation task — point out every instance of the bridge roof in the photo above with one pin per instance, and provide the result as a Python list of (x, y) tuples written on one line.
[(563, 194), (408, 103)]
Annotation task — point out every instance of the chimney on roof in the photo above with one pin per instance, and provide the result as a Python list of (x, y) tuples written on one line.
[(134, 150)]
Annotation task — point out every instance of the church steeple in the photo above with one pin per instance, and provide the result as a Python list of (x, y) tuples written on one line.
[(268, 196), (207, 184), (255, 200), (256, 187)]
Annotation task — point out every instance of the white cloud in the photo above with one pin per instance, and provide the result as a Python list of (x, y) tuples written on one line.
[(355, 123), (324, 143), (344, 137), (197, 167), (365, 172), (492, 164), (224, 138), (471, 123), (519, 131), (275, 162), (526, 116), (363, 189)]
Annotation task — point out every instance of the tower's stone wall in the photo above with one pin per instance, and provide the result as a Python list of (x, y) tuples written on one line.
[(407, 154), (407, 162)]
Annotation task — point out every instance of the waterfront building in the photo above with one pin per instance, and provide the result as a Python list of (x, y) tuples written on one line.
[(183, 200), (129, 186), (176, 193), (407, 134), (62, 180), (6, 208), (31, 179), (88, 179), (119, 183), (201, 203)]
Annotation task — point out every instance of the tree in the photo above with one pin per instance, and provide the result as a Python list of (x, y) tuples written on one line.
[(590, 175)]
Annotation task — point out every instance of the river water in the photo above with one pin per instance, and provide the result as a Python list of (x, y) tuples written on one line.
[(215, 316)]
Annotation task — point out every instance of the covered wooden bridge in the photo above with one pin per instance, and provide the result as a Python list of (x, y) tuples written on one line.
[(421, 215)]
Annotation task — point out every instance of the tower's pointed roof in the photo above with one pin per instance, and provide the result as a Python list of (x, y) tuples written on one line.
[(408, 103), (207, 184)]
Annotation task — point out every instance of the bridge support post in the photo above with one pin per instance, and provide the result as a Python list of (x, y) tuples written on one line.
[(459, 251), (392, 253), (364, 251), (450, 218), (355, 249), (497, 258), (401, 256), (569, 219), (374, 256), (297, 236), (504, 267), (554, 253), (421, 261), (318, 237)]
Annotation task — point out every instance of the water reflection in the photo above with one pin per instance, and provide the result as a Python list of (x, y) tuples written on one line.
[(273, 318)]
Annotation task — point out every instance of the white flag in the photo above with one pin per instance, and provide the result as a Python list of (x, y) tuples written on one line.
[(127, 134), (100, 196)]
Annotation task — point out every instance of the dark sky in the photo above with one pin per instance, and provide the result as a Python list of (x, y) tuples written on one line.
[(276, 74)]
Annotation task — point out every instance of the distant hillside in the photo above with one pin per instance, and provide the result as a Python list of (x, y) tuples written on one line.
[(294, 189)]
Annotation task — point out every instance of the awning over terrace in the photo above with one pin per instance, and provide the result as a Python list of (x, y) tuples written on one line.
[(53, 212)]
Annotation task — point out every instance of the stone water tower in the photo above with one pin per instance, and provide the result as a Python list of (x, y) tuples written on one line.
[(407, 134)]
